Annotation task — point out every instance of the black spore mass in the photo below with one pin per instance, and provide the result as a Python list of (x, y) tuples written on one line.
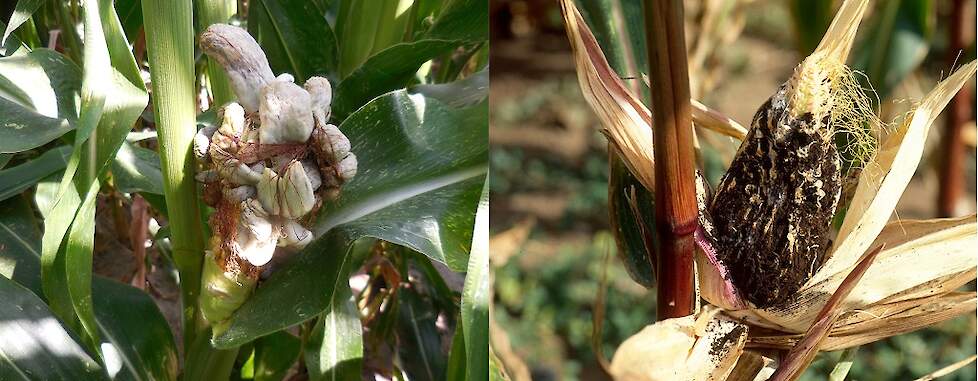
[(773, 208)]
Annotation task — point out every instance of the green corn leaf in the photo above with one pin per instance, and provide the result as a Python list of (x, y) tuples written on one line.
[(137, 169), (896, 44), (29, 334), (274, 355), (130, 16), (462, 93), (295, 37), (368, 27), (418, 340), (632, 215), (13, 46), (104, 121), (426, 200), (475, 296), (465, 20), (137, 342), (456, 357), (19, 178), (38, 91), (19, 234), (335, 347), (22, 12), (390, 69)]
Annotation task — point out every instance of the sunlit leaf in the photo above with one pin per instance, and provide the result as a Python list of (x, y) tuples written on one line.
[(335, 347), (38, 99), (34, 345)]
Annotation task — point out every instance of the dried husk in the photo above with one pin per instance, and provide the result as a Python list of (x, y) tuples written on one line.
[(921, 257), (701, 347), (886, 176), (627, 122)]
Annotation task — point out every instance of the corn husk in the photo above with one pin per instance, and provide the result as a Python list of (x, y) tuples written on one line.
[(946, 246), (626, 121), (886, 176), (694, 348)]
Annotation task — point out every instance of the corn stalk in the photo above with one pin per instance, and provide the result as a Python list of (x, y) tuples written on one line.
[(959, 112), (675, 195), (170, 47)]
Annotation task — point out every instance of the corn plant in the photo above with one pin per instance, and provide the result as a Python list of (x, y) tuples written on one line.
[(768, 265), (309, 173)]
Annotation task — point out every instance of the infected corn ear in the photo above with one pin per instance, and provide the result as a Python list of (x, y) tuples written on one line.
[(322, 97), (773, 209), (242, 59), (290, 195), (261, 169), (913, 283)]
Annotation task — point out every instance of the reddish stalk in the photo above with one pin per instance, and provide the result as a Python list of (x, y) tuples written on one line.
[(958, 113), (675, 193)]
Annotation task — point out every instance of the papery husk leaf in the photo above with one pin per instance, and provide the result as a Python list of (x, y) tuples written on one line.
[(886, 176), (917, 254), (751, 366), (801, 355), (626, 120), (881, 321), (701, 347), (838, 39), (711, 119)]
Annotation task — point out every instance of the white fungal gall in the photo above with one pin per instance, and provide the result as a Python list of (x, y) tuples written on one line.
[(312, 173), (346, 169), (294, 235), (232, 128), (202, 142), (332, 143), (322, 97), (295, 192), (239, 194), (256, 237), (268, 191), (286, 114), (242, 59), (290, 195)]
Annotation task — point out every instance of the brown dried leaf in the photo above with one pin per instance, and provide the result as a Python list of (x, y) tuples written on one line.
[(626, 120)]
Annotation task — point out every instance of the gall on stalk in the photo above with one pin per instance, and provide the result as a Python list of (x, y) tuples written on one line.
[(266, 169)]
